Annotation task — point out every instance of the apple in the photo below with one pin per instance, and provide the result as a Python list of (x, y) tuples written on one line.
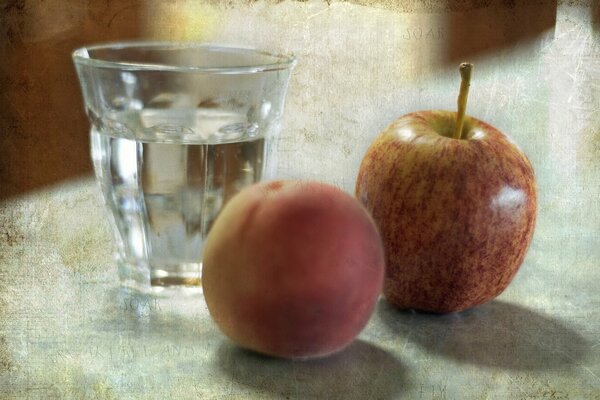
[(292, 269), (455, 202)]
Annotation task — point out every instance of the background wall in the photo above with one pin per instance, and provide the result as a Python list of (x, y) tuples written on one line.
[(361, 64), (43, 128)]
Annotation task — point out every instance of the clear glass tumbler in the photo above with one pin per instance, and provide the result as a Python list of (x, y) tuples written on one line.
[(177, 129)]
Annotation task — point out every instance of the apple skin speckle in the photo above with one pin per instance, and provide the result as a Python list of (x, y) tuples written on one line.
[(456, 216)]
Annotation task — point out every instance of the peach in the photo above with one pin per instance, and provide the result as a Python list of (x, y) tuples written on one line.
[(292, 269)]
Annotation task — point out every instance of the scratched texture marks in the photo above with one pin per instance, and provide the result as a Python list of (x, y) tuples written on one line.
[(68, 331)]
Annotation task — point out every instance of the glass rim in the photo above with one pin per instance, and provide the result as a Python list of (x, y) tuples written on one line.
[(81, 56)]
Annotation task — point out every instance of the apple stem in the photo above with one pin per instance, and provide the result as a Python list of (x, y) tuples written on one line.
[(465, 81)]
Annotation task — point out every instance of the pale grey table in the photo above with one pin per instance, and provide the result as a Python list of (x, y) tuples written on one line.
[(69, 331)]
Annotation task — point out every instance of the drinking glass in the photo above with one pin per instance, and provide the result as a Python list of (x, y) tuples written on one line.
[(177, 129)]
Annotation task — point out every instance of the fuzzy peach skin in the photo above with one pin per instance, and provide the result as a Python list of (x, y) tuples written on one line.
[(292, 269)]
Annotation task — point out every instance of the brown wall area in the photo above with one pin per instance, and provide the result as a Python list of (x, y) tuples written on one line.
[(43, 127)]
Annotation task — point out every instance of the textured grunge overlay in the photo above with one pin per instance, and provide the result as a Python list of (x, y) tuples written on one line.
[(68, 331)]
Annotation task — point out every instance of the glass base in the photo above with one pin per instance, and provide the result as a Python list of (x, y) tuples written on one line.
[(160, 277), (182, 277)]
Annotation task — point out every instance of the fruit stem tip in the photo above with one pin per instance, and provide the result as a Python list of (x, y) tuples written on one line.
[(465, 70)]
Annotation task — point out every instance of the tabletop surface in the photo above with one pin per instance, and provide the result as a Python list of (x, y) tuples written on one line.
[(67, 330)]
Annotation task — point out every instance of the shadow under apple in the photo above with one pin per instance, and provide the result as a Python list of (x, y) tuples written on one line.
[(361, 371), (496, 334)]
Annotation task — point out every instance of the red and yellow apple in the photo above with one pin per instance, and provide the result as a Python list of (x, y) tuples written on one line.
[(456, 210), (292, 269)]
